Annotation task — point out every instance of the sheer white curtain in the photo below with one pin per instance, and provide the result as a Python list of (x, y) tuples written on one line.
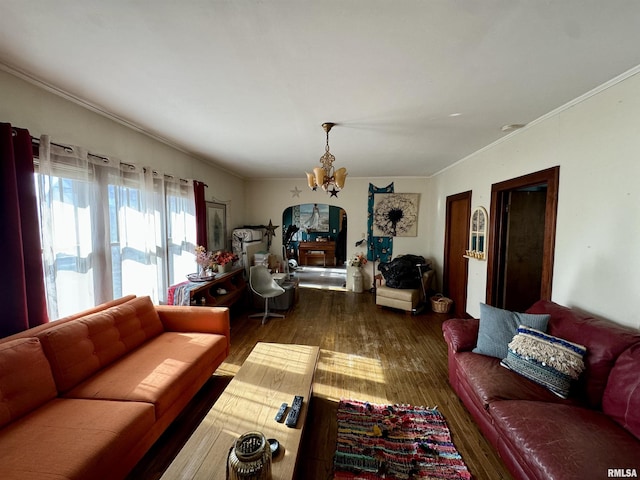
[(110, 229), (72, 227), (181, 228), (135, 201)]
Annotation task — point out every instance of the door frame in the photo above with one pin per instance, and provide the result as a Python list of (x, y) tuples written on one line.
[(497, 224)]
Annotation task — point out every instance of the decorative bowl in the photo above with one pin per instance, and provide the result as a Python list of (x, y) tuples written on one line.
[(194, 277)]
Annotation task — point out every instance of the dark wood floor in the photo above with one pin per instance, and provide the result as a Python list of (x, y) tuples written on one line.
[(367, 353)]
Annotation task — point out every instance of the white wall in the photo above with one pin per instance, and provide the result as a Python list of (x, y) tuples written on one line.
[(27, 106), (596, 143), (269, 198)]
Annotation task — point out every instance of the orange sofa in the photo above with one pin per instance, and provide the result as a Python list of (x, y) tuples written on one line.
[(86, 396)]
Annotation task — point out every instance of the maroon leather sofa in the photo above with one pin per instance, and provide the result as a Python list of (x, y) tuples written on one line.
[(593, 434)]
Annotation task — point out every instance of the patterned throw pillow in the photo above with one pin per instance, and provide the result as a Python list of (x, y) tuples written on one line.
[(550, 361)]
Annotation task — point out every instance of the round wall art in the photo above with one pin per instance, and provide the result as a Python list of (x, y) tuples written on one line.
[(395, 214)]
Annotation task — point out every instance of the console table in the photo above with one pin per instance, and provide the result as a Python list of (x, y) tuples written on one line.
[(307, 253), (272, 374), (233, 283)]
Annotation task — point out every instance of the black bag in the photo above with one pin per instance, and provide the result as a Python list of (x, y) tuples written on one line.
[(402, 272)]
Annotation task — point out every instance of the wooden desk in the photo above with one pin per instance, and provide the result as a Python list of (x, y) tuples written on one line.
[(233, 282), (328, 255), (272, 374)]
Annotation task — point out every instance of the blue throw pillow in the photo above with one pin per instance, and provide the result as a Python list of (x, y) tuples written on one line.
[(497, 328)]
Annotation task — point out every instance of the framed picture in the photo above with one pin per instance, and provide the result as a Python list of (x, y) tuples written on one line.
[(315, 217), (216, 226), (395, 214)]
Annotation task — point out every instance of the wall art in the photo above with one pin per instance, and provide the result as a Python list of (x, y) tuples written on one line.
[(314, 217), (216, 226), (395, 214), (379, 248)]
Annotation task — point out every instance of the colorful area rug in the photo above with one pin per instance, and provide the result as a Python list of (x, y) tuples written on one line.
[(394, 442)]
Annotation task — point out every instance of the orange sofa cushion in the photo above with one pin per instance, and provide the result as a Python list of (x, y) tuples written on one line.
[(34, 331), (159, 372), (25, 379), (73, 439), (78, 349)]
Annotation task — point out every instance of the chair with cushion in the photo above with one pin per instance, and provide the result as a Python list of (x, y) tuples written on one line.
[(407, 299), (263, 285)]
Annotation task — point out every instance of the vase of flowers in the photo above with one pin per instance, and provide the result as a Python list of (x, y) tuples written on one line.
[(358, 260), (354, 273), (224, 260), (204, 261)]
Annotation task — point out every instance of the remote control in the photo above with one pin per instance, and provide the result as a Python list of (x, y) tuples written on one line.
[(294, 413), (280, 414)]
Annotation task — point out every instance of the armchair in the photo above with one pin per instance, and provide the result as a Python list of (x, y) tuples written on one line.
[(407, 299)]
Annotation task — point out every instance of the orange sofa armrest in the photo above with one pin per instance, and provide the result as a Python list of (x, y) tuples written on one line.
[(177, 318)]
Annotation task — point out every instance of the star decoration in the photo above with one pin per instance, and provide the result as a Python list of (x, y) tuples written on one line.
[(295, 192), (334, 192), (270, 233)]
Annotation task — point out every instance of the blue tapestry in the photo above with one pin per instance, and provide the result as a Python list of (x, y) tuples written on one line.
[(380, 248)]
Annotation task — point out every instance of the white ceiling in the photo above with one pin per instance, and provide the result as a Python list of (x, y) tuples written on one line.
[(415, 85)]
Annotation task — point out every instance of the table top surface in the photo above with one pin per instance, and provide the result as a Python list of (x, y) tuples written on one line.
[(272, 374)]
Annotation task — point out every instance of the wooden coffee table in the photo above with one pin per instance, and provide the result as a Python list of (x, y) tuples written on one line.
[(273, 373)]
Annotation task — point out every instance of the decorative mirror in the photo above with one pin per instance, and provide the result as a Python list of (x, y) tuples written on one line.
[(478, 235)]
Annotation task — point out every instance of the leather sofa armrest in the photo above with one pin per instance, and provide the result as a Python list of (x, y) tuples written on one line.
[(461, 334), (176, 318)]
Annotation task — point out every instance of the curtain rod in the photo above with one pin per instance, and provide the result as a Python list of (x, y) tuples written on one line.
[(37, 142), (67, 148)]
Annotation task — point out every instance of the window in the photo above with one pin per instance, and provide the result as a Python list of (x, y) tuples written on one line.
[(110, 229), (478, 234)]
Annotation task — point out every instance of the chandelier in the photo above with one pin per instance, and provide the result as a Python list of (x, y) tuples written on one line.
[(331, 181)]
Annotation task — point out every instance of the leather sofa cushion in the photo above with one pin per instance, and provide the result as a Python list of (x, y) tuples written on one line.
[(491, 382), (157, 373), (562, 441), (73, 439), (621, 399), (604, 341), (25, 379), (79, 348)]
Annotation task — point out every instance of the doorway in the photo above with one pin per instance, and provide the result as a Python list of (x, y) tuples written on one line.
[(522, 240), (455, 271), (314, 239)]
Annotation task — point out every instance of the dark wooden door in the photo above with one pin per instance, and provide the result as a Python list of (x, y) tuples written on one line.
[(455, 272)]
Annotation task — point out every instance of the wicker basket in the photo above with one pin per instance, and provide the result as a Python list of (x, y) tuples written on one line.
[(440, 303)]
